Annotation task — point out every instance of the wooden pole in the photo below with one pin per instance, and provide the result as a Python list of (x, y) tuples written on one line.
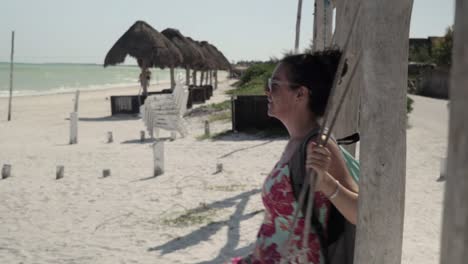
[(59, 172), (106, 173), (110, 137), (207, 128), (187, 76), (73, 128), (383, 148), (11, 74), (142, 136), (158, 158), (77, 99), (172, 78), (323, 22), (454, 248), (348, 118), (6, 171), (298, 26)]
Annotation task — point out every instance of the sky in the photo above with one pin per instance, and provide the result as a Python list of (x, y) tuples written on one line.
[(84, 31)]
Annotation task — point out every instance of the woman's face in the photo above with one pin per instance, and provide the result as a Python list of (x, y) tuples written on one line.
[(281, 97)]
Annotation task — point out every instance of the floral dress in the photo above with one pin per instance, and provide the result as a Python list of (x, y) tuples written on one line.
[(280, 204)]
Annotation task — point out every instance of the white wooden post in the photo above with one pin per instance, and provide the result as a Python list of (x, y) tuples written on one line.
[(59, 172), (106, 173), (77, 99), (6, 171), (73, 128), (454, 248), (158, 158), (11, 74), (173, 135), (383, 147), (207, 128), (110, 137)]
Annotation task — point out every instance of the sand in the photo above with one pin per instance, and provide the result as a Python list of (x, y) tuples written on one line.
[(190, 214)]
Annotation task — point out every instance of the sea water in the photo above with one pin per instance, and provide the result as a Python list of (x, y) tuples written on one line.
[(50, 78)]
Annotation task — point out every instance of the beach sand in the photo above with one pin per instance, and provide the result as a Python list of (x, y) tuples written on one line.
[(190, 214)]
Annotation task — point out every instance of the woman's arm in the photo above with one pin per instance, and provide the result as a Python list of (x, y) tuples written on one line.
[(334, 179)]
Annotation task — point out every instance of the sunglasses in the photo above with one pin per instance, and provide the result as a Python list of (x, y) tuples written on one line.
[(273, 84)]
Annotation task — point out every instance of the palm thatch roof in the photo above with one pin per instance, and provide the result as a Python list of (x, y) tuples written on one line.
[(147, 45), (192, 55), (221, 62), (209, 63)]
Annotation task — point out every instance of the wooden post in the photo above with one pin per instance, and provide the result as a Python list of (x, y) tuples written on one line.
[(215, 79), (298, 26), (187, 76), (173, 135), (207, 128), (77, 99), (11, 74), (202, 77), (142, 136), (106, 173), (383, 147), (219, 167), (73, 128), (172, 78), (110, 138), (194, 77), (348, 119), (6, 171), (158, 158), (323, 22), (454, 248), (59, 172)]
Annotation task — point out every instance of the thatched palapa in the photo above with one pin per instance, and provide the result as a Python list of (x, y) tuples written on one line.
[(147, 45)]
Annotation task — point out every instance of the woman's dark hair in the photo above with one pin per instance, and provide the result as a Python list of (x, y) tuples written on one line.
[(316, 71)]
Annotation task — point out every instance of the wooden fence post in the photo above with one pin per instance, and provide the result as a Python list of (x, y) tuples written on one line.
[(158, 157), (383, 148), (454, 248), (6, 171), (73, 128), (59, 172)]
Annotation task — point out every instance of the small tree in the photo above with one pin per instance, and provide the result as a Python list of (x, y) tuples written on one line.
[(442, 51)]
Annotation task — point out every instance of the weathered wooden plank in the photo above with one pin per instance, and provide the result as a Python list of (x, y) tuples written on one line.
[(383, 147), (454, 249)]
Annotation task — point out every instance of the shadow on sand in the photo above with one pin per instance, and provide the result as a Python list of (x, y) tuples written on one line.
[(205, 232)]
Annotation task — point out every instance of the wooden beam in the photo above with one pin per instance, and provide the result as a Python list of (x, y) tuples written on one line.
[(454, 249), (383, 147)]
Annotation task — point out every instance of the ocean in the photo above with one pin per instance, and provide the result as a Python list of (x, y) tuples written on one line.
[(37, 79)]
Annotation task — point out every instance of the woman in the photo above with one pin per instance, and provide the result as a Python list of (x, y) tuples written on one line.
[(297, 93)]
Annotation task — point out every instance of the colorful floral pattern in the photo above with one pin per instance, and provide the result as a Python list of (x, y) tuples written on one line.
[(280, 204)]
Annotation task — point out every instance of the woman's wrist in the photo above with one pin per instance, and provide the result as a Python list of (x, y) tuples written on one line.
[(329, 186)]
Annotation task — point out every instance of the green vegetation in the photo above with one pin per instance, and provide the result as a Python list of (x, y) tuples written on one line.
[(200, 215), (221, 116), (227, 188), (442, 50), (254, 80)]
